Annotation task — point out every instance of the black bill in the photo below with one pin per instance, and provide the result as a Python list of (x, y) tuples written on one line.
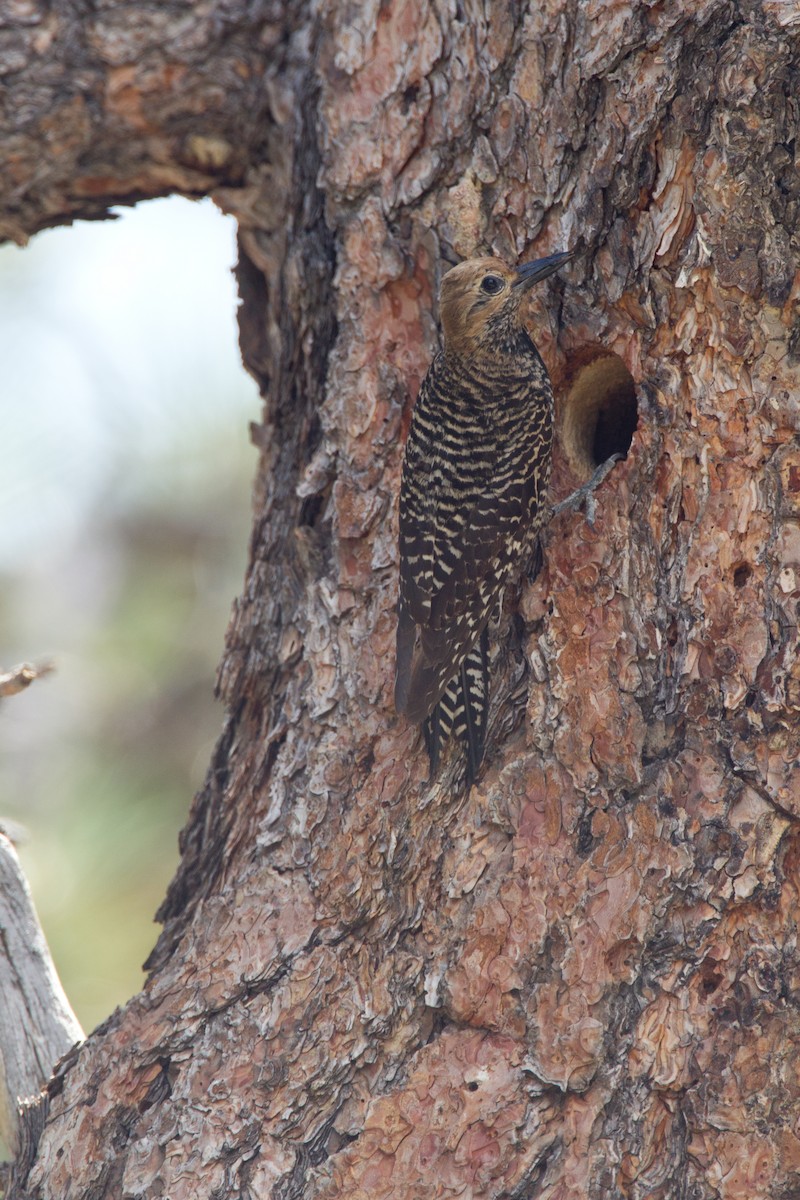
[(532, 272)]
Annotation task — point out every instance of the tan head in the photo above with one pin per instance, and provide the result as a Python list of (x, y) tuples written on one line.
[(481, 296)]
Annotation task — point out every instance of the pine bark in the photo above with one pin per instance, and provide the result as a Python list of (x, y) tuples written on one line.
[(581, 979)]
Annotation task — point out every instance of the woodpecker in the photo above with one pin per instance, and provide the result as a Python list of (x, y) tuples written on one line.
[(472, 497)]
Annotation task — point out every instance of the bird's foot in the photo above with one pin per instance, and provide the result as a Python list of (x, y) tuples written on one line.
[(585, 493)]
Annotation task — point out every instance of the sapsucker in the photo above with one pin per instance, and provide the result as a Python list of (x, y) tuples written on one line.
[(472, 498)]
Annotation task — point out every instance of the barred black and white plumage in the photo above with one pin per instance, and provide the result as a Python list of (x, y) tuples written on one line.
[(472, 499), (463, 709)]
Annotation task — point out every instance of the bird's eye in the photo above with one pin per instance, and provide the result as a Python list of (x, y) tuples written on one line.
[(491, 284)]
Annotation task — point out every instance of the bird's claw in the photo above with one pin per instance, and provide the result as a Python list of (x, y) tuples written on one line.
[(585, 493)]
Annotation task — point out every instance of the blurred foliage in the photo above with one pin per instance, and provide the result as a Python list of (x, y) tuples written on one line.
[(99, 761), (113, 745)]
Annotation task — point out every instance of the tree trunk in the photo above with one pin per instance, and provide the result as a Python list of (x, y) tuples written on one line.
[(581, 979)]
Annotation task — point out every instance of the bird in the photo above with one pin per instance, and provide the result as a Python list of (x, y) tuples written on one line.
[(473, 492)]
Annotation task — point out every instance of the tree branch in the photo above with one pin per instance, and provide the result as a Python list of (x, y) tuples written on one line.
[(97, 109), (37, 1024), (19, 678)]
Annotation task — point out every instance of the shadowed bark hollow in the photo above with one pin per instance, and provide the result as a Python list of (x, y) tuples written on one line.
[(583, 979)]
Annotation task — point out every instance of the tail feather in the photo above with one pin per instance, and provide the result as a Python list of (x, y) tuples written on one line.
[(463, 710), (435, 734)]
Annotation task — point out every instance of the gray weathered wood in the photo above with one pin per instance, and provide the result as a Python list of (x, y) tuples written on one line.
[(37, 1024)]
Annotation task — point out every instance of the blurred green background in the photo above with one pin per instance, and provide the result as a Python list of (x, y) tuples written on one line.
[(124, 519)]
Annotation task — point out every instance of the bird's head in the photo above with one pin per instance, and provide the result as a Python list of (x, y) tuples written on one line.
[(479, 299)]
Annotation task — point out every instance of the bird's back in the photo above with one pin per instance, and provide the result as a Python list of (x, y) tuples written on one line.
[(474, 481)]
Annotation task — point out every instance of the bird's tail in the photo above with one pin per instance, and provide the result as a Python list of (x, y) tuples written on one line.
[(463, 710)]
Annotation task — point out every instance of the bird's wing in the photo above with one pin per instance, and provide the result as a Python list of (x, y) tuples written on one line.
[(456, 596), (459, 538), (491, 537), (420, 497), (455, 517)]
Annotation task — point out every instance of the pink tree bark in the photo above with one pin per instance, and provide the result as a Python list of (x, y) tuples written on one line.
[(582, 979)]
